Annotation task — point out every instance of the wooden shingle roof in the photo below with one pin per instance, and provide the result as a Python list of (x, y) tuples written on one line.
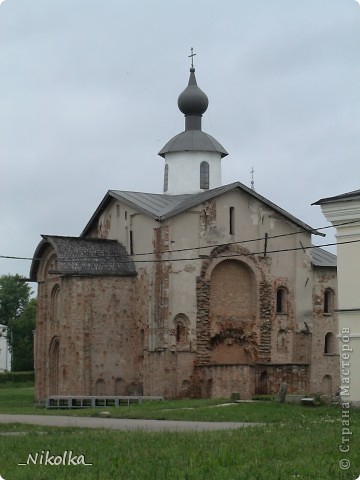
[(85, 256)]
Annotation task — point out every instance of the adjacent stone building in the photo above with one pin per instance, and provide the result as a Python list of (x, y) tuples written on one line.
[(343, 211), (204, 290)]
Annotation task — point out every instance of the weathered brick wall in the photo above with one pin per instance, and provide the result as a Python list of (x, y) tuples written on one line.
[(118, 335), (267, 337), (265, 305), (169, 373), (160, 281), (325, 376), (208, 220), (96, 332), (296, 376), (232, 311), (223, 380), (283, 325), (45, 328)]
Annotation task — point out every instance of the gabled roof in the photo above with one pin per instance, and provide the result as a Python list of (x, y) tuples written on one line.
[(323, 258), (344, 197), (162, 206), (85, 256)]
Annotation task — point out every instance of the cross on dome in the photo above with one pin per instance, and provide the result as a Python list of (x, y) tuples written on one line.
[(192, 55)]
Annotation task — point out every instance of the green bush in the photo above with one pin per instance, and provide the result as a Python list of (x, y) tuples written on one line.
[(17, 377)]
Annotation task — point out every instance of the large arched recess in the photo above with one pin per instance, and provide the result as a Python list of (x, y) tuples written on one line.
[(233, 312), (228, 306), (233, 293)]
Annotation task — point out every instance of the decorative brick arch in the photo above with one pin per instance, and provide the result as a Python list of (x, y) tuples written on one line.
[(55, 310), (232, 252), (236, 328), (54, 362), (49, 263)]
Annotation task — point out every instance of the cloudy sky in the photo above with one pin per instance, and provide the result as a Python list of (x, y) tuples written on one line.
[(88, 96)]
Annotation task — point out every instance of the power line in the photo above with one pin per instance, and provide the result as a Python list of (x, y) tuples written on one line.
[(206, 247), (201, 257), (245, 254)]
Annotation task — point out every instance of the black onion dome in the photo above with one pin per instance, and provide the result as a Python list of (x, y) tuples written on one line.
[(193, 101)]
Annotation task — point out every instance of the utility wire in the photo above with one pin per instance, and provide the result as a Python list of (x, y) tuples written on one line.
[(201, 257), (206, 246)]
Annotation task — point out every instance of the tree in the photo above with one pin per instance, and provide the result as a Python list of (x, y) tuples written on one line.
[(18, 313), (14, 296), (22, 342)]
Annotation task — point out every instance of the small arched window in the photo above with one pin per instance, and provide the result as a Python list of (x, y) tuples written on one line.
[(328, 301), (204, 175), (281, 295), (329, 344), (166, 178), (181, 330), (232, 220), (55, 304)]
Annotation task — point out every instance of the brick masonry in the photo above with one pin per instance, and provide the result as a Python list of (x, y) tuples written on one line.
[(117, 335)]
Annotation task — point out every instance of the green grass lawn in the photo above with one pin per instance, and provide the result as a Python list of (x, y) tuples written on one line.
[(296, 443)]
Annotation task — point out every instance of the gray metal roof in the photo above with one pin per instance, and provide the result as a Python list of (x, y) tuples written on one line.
[(193, 140), (344, 197), (323, 258), (162, 206), (157, 205), (85, 256)]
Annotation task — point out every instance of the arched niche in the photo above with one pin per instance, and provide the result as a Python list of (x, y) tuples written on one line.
[(181, 330), (329, 344), (54, 366), (55, 313), (233, 292), (326, 385)]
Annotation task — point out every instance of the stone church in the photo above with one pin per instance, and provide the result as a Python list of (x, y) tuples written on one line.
[(204, 290)]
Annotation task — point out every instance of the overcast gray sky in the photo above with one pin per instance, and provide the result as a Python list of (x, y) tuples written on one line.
[(88, 96)]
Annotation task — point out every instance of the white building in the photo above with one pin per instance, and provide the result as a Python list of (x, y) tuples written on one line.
[(5, 354), (343, 211)]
